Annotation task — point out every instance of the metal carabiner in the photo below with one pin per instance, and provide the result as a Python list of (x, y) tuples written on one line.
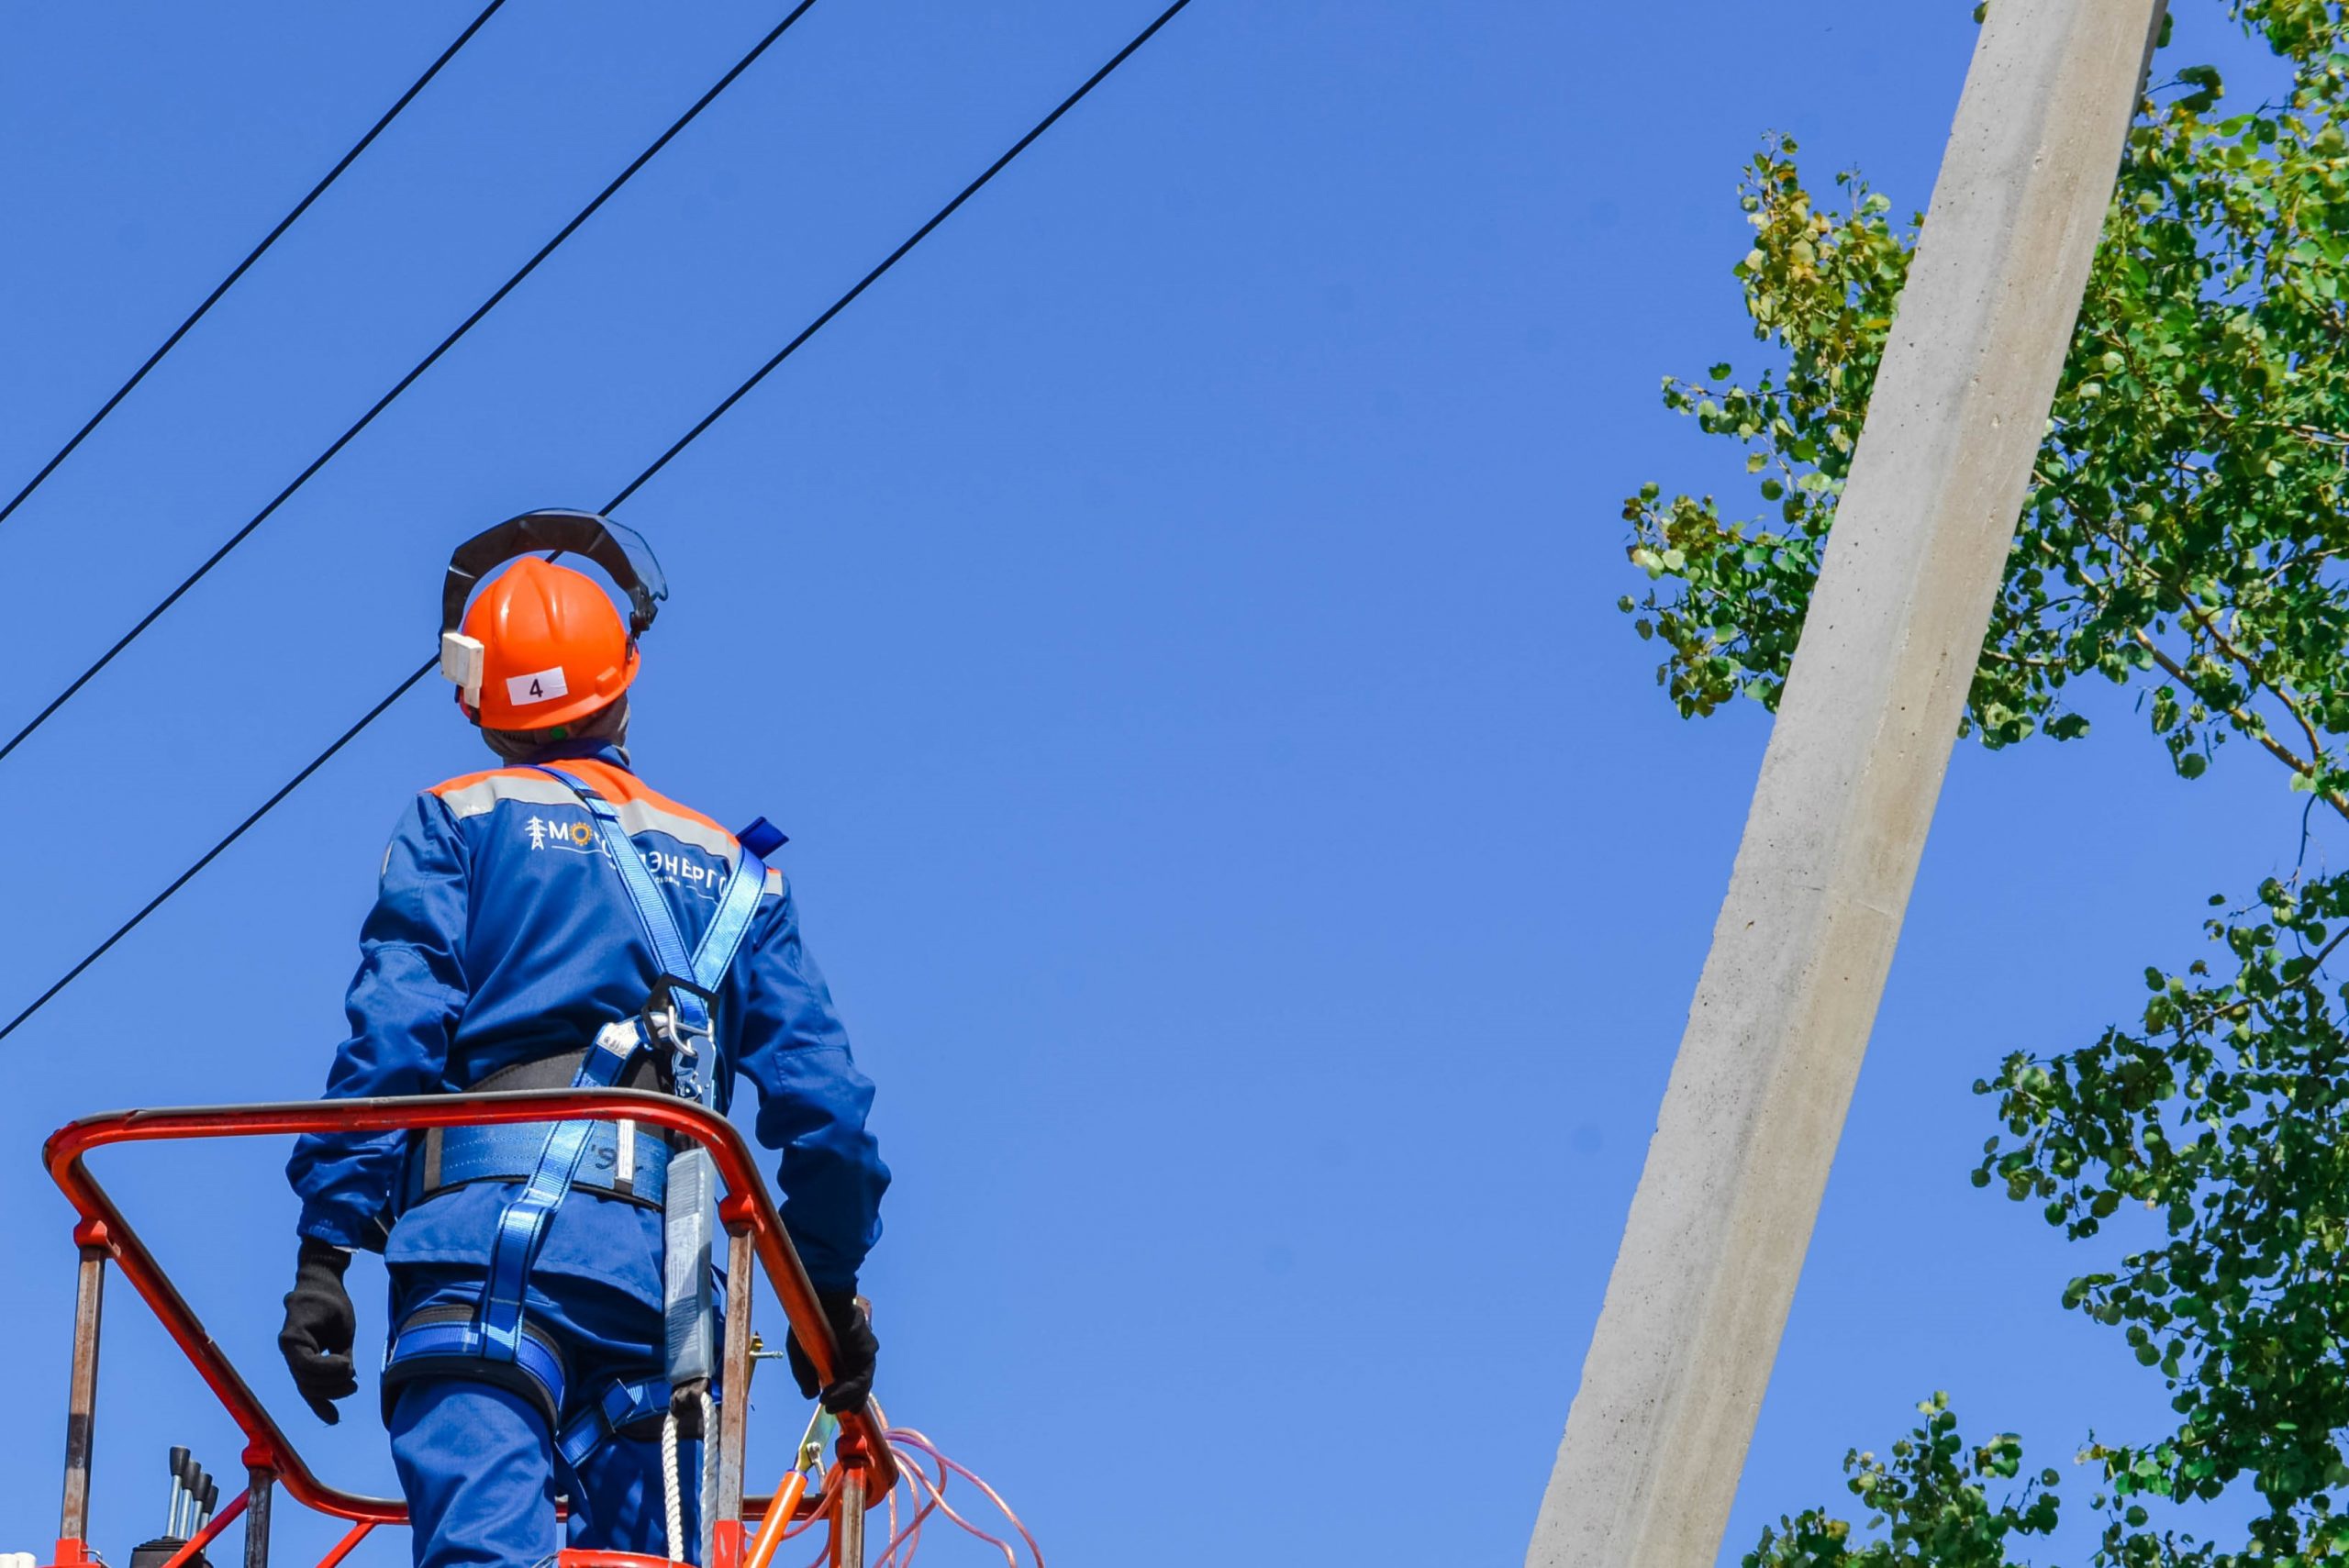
[(681, 1018)]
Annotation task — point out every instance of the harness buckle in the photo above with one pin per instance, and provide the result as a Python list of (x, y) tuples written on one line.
[(681, 1018)]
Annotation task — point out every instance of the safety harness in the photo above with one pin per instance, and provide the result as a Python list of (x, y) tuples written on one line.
[(494, 1341)]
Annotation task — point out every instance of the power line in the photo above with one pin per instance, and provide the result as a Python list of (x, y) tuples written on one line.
[(422, 365), (916, 237), (731, 398), (216, 851), (244, 266)]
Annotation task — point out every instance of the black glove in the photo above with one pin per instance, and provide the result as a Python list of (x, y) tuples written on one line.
[(852, 1333), (319, 1326)]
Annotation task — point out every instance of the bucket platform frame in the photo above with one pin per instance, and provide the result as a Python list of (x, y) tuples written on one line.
[(863, 1471)]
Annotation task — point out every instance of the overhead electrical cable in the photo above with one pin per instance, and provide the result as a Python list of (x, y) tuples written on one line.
[(422, 365), (731, 398), (242, 268), (893, 257)]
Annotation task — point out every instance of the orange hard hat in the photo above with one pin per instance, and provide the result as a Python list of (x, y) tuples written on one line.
[(553, 648)]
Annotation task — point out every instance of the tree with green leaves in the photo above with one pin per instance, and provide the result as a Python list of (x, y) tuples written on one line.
[(2185, 535)]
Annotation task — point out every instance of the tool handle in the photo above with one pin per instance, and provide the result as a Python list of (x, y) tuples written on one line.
[(179, 1462), (778, 1519)]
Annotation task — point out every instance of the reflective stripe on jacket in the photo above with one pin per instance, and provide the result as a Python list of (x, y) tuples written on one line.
[(500, 936)]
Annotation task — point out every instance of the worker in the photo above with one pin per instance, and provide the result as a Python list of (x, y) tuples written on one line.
[(511, 947)]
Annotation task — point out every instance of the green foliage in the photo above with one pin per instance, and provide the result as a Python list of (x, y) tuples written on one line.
[(1731, 606), (2225, 1114), (1929, 1502), (2191, 500), (2183, 537)]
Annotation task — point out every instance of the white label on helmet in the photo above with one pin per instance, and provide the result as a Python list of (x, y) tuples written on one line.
[(542, 685)]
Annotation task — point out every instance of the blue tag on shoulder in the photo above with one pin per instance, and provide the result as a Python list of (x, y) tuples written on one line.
[(763, 837)]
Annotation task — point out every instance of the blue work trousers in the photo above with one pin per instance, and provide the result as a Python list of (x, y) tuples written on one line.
[(478, 1465)]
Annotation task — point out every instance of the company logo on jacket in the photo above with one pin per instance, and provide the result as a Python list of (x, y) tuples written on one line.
[(581, 837), (533, 814)]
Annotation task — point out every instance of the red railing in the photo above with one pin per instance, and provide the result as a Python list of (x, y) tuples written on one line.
[(864, 1471)]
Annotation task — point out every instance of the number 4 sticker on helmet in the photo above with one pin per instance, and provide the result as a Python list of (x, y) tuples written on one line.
[(538, 685)]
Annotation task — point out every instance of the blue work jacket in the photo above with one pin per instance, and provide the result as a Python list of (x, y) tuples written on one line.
[(502, 934)]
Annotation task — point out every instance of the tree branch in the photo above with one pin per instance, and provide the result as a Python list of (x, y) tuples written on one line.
[(2249, 723), (2316, 747)]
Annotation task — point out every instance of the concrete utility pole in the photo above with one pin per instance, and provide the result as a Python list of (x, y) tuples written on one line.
[(1676, 1373)]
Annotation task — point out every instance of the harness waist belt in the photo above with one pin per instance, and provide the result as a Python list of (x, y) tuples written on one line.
[(635, 1168)]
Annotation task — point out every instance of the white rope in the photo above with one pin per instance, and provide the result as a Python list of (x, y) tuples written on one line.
[(673, 1488), (708, 1474)]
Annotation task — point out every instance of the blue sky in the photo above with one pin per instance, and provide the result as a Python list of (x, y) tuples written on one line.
[(1173, 616)]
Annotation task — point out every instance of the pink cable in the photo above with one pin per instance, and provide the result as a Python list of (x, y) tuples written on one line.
[(911, 1533), (1010, 1559), (827, 1509), (826, 1501), (910, 1538), (905, 1537), (903, 1540), (937, 1494), (907, 1435)]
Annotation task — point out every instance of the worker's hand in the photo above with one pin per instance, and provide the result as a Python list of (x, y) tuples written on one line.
[(852, 1333), (319, 1326)]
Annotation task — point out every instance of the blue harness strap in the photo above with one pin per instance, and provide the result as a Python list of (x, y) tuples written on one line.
[(622, 1401), (521, 1226), (495, 1332), (707, 964), (651, 910)]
